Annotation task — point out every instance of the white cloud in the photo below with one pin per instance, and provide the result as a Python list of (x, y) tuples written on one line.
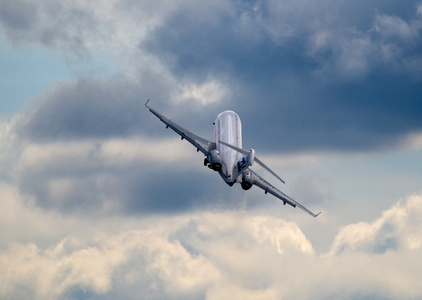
[(70, 25), (391, 27), (397, 229), (47, 274), (206, 255), (413, 141), (206, 93), (8, 147), (91, 154)]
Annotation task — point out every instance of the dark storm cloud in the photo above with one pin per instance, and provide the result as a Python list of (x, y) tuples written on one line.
[(213, 40), (85, 109), (343, 75)]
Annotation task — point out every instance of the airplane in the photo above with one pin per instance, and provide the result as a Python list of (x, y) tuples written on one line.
[(226, 156)]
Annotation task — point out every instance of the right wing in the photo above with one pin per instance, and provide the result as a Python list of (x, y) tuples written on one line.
[(200, 143), (269, 188)]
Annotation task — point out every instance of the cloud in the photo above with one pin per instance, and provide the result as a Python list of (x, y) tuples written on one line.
[(208, 255), (395, 230), (7, 147), (325, 76), (207, 93), (76, 28), (181, 256), (99, 201), (51, 272), (338, 76), (83, 108), (18, 15), (113, 175)]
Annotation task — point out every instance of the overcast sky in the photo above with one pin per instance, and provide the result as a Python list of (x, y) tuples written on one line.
[(99, 201)]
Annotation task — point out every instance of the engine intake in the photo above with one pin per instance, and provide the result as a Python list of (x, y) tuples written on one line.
[(215, 160), (247, 180)]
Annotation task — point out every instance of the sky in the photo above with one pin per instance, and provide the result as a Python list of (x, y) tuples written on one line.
[(99, 201)]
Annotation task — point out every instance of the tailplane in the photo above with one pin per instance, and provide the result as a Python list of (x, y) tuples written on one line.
[(248, 160)]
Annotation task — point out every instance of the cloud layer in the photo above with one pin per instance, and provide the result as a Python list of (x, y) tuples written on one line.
[(99, 201), (342, 76), (210, 255)]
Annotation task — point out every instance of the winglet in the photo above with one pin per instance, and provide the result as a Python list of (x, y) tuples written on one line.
[(146, 104), (317, 214)]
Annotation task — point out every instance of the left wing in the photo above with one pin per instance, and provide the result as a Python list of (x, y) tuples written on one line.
[(268, 188), (200, 143)]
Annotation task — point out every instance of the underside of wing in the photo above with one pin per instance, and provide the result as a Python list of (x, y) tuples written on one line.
[(200, 143), (269, 188)]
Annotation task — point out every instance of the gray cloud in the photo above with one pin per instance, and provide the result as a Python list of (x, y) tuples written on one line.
[(318, 82), (18, 16), (82, 109), (122, 176), (337, 76)]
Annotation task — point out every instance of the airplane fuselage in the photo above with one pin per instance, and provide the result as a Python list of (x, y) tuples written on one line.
[(228, 128)]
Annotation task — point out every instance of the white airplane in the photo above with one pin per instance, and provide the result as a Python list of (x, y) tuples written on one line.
[(226, 155)]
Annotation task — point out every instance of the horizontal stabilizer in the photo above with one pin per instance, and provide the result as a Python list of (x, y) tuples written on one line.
[(244, 152)]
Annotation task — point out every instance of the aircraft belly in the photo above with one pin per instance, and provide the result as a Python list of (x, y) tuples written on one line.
[(228, 129)]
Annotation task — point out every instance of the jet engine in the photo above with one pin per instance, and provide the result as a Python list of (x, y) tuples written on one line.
[(215, 160), (247, 180)]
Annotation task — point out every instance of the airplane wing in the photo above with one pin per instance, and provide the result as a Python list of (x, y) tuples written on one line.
[(200, 143), (268, 188)]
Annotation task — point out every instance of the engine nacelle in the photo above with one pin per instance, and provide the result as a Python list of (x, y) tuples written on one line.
[(251, 157), (247, 180), (215, 160)]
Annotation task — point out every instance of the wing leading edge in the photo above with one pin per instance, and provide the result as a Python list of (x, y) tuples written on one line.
[(269, 188), (200, 143)]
